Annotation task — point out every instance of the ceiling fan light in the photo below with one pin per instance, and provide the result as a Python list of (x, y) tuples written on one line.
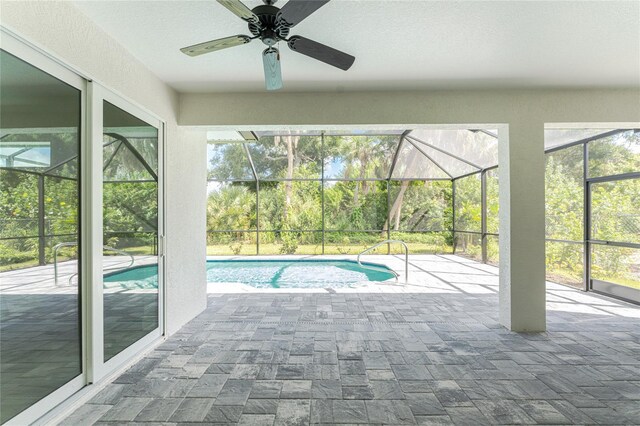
[(272, 71)]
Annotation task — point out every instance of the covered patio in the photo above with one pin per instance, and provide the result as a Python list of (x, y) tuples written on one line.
[(432, 352)]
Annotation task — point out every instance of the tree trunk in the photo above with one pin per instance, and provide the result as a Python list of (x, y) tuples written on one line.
[(356, 193), (396, 207), (397, 204), (291, 143)]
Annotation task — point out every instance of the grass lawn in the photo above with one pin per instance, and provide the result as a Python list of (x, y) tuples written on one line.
[(309, 249)]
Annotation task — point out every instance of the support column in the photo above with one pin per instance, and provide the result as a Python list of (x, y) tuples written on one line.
[(522, 261)]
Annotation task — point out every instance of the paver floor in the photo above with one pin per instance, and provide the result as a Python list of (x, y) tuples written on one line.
[(430, 353)]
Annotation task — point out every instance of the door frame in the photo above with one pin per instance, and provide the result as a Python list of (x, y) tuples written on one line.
[(98, 94), (608, 288), (93, 369)]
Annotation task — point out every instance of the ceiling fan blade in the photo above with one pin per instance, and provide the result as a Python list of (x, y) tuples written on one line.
[(239, 9), (295, 11), (323, 53), (272, 71), (214, 45)]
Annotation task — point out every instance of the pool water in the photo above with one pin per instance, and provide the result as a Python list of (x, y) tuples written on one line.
[(295, 273), (136, 278), (262, 274)]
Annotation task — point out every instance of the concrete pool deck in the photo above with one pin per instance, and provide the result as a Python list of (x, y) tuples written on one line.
[(431, 352)]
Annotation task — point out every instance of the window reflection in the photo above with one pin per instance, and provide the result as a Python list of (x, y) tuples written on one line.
[(40, 346)]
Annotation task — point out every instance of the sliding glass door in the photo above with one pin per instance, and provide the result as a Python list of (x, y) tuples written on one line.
[(130, 229), (615, 235), (40, 278), (81, 232)]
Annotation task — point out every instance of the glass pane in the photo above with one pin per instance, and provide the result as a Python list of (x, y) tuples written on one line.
[(231, 206), (68, 169), (618, 265), (420, 205), (565, 263), (18, 253), (130, 217), (615, 154), (615, 211), (123, 162), (355, 205), (493, 201), (287, 157), (412, 164), (61, 205), (353, 242), (19, 204), (423, 242), (468, 245), (236, 243), (564, 194), (39, 150), (28, 155), (468, 204), (479, 147), (228, 162), (358, 157), (40, 346), (145, 147), (290, 242), (290, 205)]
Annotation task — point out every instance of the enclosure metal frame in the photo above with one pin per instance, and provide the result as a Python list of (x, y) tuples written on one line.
[(608, 288), (407, 138), (323, 230), (588, 242)]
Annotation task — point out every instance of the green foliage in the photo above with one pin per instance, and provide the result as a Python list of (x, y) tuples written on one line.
[(468, 202), (564, 194), (615, 154), (469, 245), (236, 246), (493, 205), (426, 206), (130, 216), (18, 204), (355, 205), (615, 215), (232, 207), (289, 243)]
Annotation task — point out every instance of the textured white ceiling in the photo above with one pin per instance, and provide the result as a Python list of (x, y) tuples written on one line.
[(397, 44)]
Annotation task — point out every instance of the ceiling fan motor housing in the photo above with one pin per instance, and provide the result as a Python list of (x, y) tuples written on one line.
[(270, 31)]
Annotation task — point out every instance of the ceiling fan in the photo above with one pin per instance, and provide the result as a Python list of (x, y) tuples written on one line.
[(272, 24)]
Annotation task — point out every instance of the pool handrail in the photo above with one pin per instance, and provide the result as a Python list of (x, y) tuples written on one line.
[(75, 243), (406, 257)]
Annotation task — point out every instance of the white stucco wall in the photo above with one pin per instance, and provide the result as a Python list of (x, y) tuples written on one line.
[(525, 112), (411, 107), (61, 30)]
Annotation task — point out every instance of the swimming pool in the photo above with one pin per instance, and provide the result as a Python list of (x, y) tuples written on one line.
[(308, 273), (136, 278)]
